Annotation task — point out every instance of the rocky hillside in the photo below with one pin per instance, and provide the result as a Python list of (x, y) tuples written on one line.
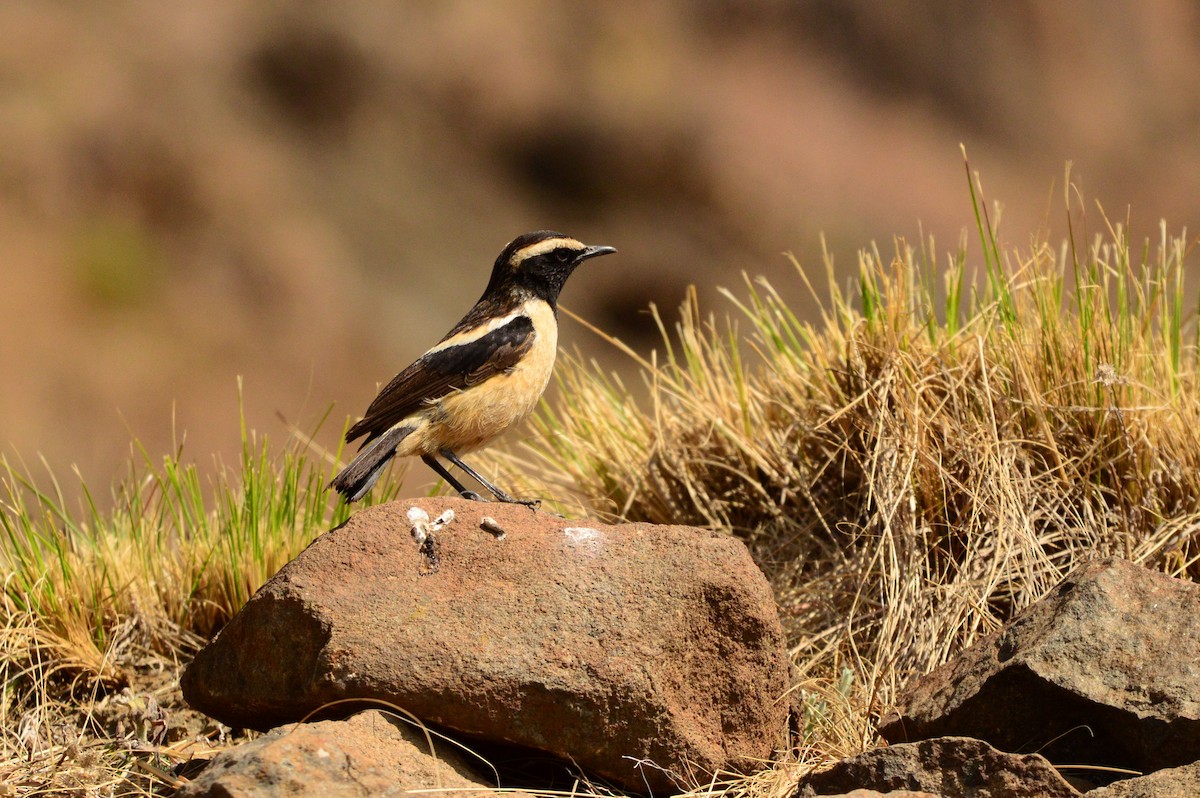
[(306, 194)]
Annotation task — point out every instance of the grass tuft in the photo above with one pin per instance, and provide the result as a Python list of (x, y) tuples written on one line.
[(927, 459)]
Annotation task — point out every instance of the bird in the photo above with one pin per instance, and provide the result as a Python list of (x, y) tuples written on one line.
[(483, 377)]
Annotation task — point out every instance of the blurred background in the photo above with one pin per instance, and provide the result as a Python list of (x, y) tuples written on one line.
[(309, 194)]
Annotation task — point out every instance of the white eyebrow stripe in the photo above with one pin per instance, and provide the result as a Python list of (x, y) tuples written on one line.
[(475, 333), (542, 247)]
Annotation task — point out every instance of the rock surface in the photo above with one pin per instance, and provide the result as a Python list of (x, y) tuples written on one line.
[(891, 794), (1181, 782), (1103, 671), (368, 755), (953, 767), (649, 655)]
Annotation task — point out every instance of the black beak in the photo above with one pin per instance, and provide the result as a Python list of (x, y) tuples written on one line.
[(594, 252)]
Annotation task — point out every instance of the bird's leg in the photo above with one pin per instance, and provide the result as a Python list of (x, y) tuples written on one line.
[(432, 462), (499, 494)]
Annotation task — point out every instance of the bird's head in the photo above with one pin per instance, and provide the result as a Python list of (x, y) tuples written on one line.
[(540, 263)]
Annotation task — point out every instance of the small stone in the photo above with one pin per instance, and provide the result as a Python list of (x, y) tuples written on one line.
[(1181, 782), (371, 755), (956, 767), (489, 524)]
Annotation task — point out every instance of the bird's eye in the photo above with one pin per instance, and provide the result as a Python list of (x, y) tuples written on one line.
[(563, 255)]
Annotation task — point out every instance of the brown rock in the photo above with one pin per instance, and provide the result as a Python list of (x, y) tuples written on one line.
[(629, 649), (953, 767), (369, 755), (1103, 671), (1182, 782)]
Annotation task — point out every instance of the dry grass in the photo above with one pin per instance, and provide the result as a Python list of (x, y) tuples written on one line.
[(929, 457)]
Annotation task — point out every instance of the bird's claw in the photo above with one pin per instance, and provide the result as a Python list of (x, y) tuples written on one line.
[(503, 498)]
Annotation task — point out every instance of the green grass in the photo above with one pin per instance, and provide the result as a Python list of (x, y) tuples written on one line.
[(950, 437), (96, 602)]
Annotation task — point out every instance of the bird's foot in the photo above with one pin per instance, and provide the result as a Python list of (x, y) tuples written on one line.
[(502, 497), (532, 504)]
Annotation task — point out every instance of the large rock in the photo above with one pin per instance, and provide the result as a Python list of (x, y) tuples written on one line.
[(368, 756), (953, 767), (1103, 671), (650, 655)]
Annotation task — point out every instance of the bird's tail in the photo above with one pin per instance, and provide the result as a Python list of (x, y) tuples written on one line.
[(360, 475)]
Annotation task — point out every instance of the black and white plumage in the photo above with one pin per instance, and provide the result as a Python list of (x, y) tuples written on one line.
[(483, 377)]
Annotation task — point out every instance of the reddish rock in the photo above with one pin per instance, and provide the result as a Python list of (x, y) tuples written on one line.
[(650, 655), (371, 755), (953, 767), (1103, 671)]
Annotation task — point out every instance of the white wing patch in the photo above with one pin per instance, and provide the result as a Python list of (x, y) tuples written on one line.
[(467, 336)]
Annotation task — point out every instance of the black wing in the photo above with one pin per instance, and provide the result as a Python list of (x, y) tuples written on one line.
[(438, 372)]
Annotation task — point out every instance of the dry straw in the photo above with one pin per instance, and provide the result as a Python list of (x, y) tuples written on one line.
[(932, 455)]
